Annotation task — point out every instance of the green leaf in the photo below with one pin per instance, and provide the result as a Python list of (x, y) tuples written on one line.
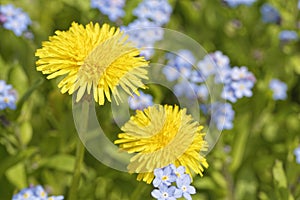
[(24, 98), (17, 175), (25, 133), (279, 175), (61, 162)]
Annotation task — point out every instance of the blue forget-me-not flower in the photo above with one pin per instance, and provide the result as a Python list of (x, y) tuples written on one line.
[(14, 19), (8, 96), (140, 102), (112, 8), (269, 14), (35, 193), (279, 89)]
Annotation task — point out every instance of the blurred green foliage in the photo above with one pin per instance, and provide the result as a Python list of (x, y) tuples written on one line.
[(38, 140)]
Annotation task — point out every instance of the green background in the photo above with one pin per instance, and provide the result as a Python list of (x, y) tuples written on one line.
[(38, 146)]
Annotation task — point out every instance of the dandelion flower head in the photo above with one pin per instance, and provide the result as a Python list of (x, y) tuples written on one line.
[(92, 59), (162, 135)]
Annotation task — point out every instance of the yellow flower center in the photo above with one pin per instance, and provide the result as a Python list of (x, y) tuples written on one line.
[(164, 178)]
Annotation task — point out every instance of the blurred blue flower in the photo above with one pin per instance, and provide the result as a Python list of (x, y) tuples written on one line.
[(197, 77), (157, 11), (223, 75), (297, 154), (287, 35), (269, 14), (279, 89), (228, 94), (184, 189), (242, 88), (238, 84), (8, 96), (206, 66), (182, 63), (140, 102), (222, 115), (14, 19), (298, 4), (221, 60), (35, 193), (234, 3), (185, 88), (163, 176), (144, 33), (201, 92), (112, 8), (171, 73), (164, 193)]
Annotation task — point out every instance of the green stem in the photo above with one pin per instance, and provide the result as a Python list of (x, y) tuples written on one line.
[(136, 194), (77, 171)]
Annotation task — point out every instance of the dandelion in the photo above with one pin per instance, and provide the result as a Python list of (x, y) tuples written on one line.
[(163, 135), (93, 59)]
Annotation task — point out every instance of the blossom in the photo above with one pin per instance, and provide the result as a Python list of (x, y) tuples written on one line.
[(297, 154), (112, 8), (93, 59), (35, 193), (242, 88), (181, 63), (163, 135), (14, 19), (184, 189), (157, 11), (287, 35), (222, 115), (206, 66), (234, 3), (144, 34), (8, 96), (220, 59), (166, 177), (178, 171), (279, 89), (171, 73), (269, 14), (140, 102), (238, 84), (164, 193), (163, 176), (185, 88)]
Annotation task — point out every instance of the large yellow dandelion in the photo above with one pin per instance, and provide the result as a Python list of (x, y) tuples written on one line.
[(92, 59), (163, 135)]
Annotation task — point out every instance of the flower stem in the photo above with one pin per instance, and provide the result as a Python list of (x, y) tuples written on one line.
[(136, 194), (77, 171)]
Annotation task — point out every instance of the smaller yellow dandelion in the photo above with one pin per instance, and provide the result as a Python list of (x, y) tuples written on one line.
[(92, 59), (163, 135)]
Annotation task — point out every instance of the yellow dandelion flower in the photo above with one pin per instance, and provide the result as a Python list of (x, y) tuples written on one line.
[(92, 59), (163, 135)]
